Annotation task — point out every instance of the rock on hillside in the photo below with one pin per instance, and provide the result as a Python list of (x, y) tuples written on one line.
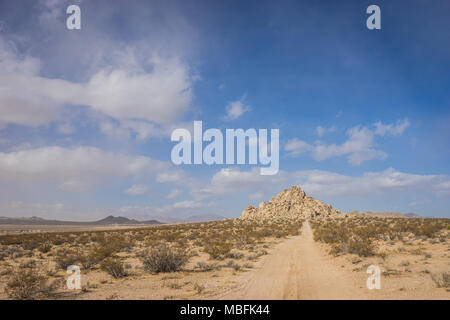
[(291, 204)]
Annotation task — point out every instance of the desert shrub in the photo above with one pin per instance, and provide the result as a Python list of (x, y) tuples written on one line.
[(96, 255), (114, 267), (65, 258), (235, 254), (204, 266), (442, 280), (116, 243), (45, 247), (27, 283), (232, 264), (218, 251), (30, 244), (198, 288), (361, 247), (164, 259)]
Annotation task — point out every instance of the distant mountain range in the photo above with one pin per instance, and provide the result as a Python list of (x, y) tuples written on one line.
[(106, 221), (385, 214), (110, 220), (412, 215)]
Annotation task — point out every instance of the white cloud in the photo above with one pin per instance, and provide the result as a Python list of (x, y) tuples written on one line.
[(72, 168), (168, 212), (74, 185), (358, 148), (118, 132), (319, 183), (232, 180), (395, 130), (235, 109), (160, 92), (161, 95), (143, 130), (322, 183), (52, 10), (22, 146), (137, 189), (174, 193), (297, 147), (171, 176), (66, 128), (36, 209), (192, 204), (320, 131)]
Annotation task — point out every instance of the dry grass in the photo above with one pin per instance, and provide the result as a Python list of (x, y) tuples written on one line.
[(359, 235), (155, 249), (28, 282)]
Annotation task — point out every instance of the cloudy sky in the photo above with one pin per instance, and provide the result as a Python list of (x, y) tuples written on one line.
[(86, 115)]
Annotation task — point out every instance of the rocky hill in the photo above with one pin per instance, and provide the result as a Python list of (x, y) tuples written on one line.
[(290, 204)]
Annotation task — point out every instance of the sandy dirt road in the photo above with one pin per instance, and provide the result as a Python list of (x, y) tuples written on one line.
[(298, 269)]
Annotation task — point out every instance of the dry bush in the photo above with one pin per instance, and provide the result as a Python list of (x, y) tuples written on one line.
[(164, 259), (442, 280), (65, 258), (204, 266), (28, 283), (114, 267), (358, 234), (218, 251), (46, 247)]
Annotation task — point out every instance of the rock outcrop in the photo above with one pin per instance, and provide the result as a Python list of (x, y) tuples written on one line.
[(290, 204)]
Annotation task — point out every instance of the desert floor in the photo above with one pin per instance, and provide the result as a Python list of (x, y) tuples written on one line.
[(300, 268), (287, 267)]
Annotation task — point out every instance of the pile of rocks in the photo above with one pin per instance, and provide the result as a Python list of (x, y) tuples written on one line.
[(290, 204)]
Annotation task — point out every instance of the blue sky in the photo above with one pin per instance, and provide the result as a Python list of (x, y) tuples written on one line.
[(86, 115)]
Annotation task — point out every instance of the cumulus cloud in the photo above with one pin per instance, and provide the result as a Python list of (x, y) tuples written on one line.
[(168, 212), (296, 147), (141, 130), (235, 109), (171, 176), (35, 209), (66, 128), (359, 147), (137, 189), (232, 180), (73, 168), (192, 204), (174, 193), (393, 129), (324, 183), (320, 131), (159, 93), (321, 183)]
